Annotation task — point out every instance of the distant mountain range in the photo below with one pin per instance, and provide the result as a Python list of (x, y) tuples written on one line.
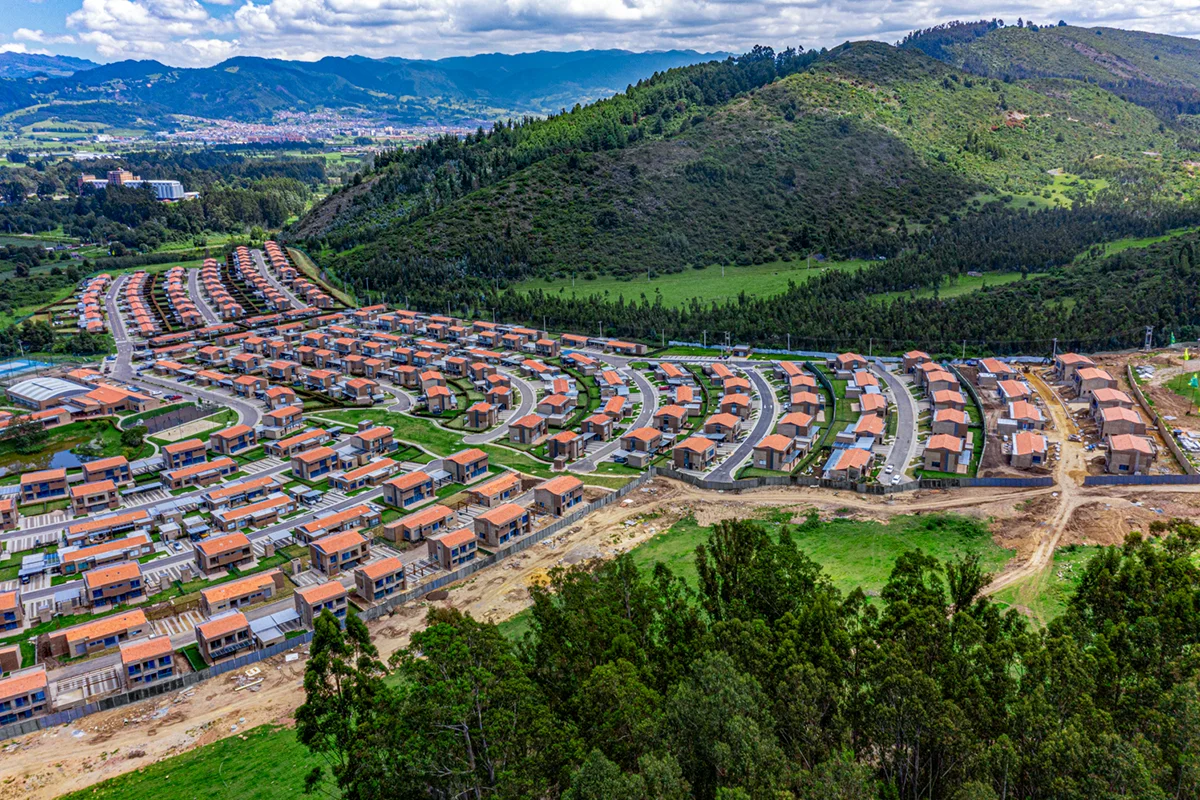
[(481, 87), (27, 65)]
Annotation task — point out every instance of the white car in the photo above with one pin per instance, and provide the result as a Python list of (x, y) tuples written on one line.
[(890, 469)]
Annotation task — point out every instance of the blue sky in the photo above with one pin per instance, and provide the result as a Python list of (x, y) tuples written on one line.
[(203, 32)]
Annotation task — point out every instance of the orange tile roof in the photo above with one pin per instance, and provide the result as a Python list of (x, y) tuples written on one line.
[(528, 421), (945, 441), (455, 538), (203, 466), (562, 484), (1026, 442), (695, 444), (140, 650), (498, 484), (379, 569), (106, 463), (22, 683), (109, 522), (44, 475), (246, 585), (99, 628), (337, 542), (184, 446), (409, 480), (724, 420), (316, 454), (502, 515), (321, 592), (797, 418), (368, 469), (222, 625), (1127, 442), (371, 434), (95, 487), (777, 442), (222, 544), (467, 456), (671, 411), (424, 516), (643, 434), (103, 576)]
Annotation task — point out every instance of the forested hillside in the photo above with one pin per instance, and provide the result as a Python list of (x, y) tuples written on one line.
[(847, 153), (1157, 71)]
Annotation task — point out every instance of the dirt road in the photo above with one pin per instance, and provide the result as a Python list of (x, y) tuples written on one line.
[(1069, 473)]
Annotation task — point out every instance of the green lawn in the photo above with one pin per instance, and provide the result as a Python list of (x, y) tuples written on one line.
[(758, 280), (1181, 385), (964, 284), (268, 764), (442, 442), (134, 419)]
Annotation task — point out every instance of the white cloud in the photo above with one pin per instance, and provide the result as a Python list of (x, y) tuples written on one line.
[(21, 47), (42, 37), (190, 32)]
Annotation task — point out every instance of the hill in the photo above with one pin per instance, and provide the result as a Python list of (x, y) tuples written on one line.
[(1158, 71), (849, 153), (406, 91), (27, 65)]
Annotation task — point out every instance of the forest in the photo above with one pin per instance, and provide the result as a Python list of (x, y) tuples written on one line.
[(1087, 299), (765, 681)]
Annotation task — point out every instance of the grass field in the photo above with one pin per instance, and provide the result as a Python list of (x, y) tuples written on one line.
[(1044, 596), (758, 280), (965, 284), (1181, 385), (853, 553), (442, 442), (268, 764)]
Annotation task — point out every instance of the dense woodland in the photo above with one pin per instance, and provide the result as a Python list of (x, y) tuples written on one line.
[(1071, 291), (768, 682)]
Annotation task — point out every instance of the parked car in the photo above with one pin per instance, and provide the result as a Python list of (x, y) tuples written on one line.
[(174, 397)]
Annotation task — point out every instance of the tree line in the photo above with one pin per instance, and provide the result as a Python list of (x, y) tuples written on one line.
[(763, 680), (1080, 295)]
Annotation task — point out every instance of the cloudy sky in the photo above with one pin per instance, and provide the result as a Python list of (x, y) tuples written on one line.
[(203, 32)]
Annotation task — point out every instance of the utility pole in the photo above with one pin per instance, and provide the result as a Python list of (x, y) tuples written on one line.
[(870, 347), (1054, 351), (789, 342), (1149, 343), (704, 340), (964, 350)]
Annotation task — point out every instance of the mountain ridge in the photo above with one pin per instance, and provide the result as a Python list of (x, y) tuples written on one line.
[(489, 86)]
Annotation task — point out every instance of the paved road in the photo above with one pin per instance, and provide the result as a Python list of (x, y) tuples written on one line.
[(122, 369), (645, 416), (528, 402), (198, 297), (764, 425), (261, 262), (905, 444)]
